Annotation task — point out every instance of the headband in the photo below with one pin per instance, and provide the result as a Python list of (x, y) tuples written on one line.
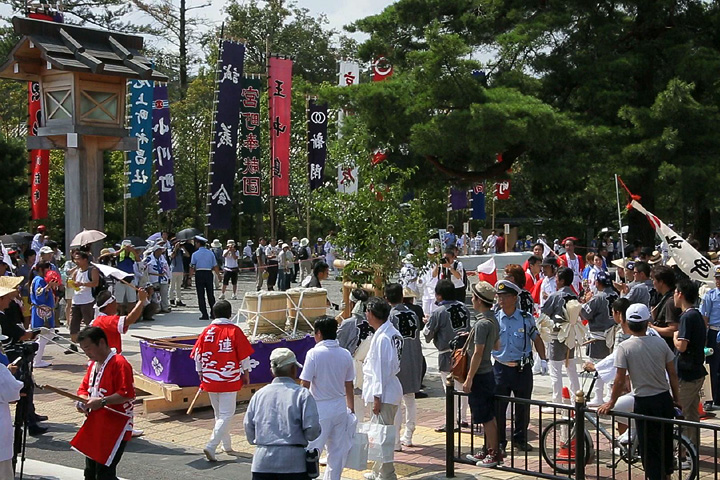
[(107, 302)]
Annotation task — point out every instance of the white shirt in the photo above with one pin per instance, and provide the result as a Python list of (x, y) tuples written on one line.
[(327, 367), (9, 392), (491, 241), (84, 295), (548, 286), (37, 243), (247, 251), (382, 365), (231, 259), (272, 252)]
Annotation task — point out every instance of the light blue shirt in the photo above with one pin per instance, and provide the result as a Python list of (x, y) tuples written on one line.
[(281, 419), (710, 307), (517, 333), (203, 259)]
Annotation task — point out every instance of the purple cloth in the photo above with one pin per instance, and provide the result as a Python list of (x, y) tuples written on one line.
[(176, 366), (458, 199), (162, 147)]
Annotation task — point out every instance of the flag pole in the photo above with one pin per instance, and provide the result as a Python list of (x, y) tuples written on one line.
[(309, 197), (272, 197), (622, 242), (208, 197)]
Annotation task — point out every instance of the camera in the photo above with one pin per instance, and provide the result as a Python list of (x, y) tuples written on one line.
[(444, 260)]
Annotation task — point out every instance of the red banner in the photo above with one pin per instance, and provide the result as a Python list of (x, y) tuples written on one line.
[(39, 159), (382, 69), (502, 190), (280, 99)]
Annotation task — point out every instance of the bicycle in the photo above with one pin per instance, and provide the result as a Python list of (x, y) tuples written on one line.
[(558, 446)]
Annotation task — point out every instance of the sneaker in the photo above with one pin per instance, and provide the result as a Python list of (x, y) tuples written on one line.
[(595, 402), (234, 297), (172, 302), (478, 456), (491, 460), (222, 296), (137, 433), (210, 455), (228, 450), (547, 410), (522, 446), (323, 461), (398, 448), (41, 364), (370, 476), (406, 443), (181, 304), (624, 438), (72, 348)]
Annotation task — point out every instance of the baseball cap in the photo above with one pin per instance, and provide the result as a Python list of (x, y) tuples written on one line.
[(484, 291), (717, 270), (506, 286), (637, 312), (126, 243), (281, 357), (45, 250), (603, 278)]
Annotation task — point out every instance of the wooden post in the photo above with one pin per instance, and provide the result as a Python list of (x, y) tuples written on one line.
[(272, 198)]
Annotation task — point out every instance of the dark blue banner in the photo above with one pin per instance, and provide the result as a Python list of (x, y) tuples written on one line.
[(141, 123), (224, 145), (317, 143), (162, 146), (478, 202)]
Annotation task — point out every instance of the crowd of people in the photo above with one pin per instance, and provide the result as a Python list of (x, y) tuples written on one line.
[(558, 311)]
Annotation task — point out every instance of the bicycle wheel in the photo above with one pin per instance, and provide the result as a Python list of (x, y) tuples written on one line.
[(686, 462), (558, 446)]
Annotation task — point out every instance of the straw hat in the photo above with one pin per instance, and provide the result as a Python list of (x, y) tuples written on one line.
[(216, 243), (304, 242), (9, 284), (407, 293)]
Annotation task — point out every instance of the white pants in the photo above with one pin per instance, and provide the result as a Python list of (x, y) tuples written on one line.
[(336, 439), (124, 294), (410, 418), (463, 401), (223, 404), (599, 390), (556, 376), (164, 297), (176, 286), (360, 408)]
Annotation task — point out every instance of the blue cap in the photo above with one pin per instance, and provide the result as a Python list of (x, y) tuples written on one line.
[(506, 286), (603, 279)]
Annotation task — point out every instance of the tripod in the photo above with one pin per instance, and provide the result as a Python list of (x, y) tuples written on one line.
[(26, 353)]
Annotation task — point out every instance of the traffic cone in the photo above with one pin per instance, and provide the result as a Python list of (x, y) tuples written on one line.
[(703, 414), (567, 450)]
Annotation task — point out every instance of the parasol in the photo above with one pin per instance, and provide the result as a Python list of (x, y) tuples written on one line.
[(187, 234), (86, 237)]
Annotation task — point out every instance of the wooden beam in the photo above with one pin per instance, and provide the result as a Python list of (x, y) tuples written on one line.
[(128, 59), (79, 52)]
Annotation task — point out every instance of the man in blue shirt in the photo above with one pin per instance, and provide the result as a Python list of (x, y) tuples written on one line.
[(202, 264), (513, 362), (710, 310)]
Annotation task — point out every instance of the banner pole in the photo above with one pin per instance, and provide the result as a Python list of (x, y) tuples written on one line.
[(309, 197), (617, 193), (208, 195), (272, 197), (126, 171)]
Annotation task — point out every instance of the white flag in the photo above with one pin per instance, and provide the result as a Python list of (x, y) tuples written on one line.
[(689, 260), (347, 179), (349, 74)]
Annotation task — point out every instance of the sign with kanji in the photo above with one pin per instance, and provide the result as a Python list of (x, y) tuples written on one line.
[(250, 154), (279, 101), (382, 69), (502, 190), (223, 153), (317, 143), (347, 179), (162, 148), (140, 161)]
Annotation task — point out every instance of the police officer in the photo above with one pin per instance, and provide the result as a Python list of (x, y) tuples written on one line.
[(513, 369), (202, 264)]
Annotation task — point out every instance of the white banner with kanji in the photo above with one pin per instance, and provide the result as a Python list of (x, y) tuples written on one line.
[(347, 179), (689, 260)]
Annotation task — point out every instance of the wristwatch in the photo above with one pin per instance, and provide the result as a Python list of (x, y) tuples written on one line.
[(103, 401)]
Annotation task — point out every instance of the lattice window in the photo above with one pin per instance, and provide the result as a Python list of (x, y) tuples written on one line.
[(59, 104), (98, 106)]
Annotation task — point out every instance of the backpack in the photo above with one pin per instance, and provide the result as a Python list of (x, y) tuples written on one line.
[(253, 257), (465, 277), (102, 282)]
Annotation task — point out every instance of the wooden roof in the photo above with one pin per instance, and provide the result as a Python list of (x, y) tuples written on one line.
[(76, 49)]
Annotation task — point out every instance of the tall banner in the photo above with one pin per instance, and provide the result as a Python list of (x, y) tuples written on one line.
[(250, 177), (39, 159), (317, 143), (478, 202), (279, 102), (382, 69), (349, 74), (162, 147), (502, 190), (689, 260), (347, 179), (458, 199), (141, 124), (224, 144)]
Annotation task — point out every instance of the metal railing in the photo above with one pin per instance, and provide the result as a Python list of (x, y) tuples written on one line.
[(603, 454)]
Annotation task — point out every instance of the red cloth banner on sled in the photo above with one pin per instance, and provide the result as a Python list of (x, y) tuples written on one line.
[(106, 424), (280, 99), (39, 159)]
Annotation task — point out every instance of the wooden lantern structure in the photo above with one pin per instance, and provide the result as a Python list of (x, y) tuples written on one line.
[(82, 73)]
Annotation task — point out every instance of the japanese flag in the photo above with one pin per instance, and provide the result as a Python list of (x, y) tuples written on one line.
[(487, 272), (690, 261)]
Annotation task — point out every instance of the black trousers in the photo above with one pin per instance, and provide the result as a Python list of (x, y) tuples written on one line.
[(714, 362), (272, 270), (655, 438), (279, 476), (509, 380), (204, 284), (98, 471)]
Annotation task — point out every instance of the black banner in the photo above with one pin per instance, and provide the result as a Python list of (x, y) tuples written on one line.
[(224, 145), (317, 143)]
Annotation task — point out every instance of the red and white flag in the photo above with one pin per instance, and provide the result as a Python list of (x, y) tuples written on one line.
[(502, 190), (100, 436), (487, 272), (382, 69), (280, 99)]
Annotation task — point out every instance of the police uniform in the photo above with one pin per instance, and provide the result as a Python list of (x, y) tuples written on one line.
[(204, 262), (512, 369)]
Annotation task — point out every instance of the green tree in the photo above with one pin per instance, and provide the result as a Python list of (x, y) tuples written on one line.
[(13, 165)]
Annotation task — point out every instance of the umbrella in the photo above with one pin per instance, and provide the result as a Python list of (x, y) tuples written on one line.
[(154, 237), (187, 234), (113, 272), (22, 237), (7, 240), (86, 237), (137, 242)]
